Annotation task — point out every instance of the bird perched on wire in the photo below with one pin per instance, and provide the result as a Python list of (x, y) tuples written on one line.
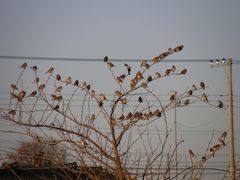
[(76, 83), (102, 97), (214, 149), (183, 72), (191, 154), (149, 78), (56, 108), (157, 113), (41, 87), (222, 138), (105, 59), (92, 117), (178, 48), (140, 99), (32, 94), (34, 68), (133, 83), (68, 80), (194, 87), (23, 66), (22, 94), (58, 89), (139, 76), (220, 104), (118, 93), (128, 68), (170, 51), (36, 80), (143, 63), (110, 65), (118, 80), (204, 97), (58, 77), (123, 101), (158, 75), (92, 93), (190, 92), (186, 102)]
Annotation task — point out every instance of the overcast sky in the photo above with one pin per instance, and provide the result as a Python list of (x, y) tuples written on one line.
[(128, 29)]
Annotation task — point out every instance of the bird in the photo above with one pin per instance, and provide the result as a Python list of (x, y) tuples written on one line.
[(50, 70), (118, 80), (32, 94), (133, 83), (58, 89), (220, 104), (168, 71), (140, 99), (147, 66), (92, 117), (58, 77), (105, 59), (14, 87), (158, 75), (170, 50), (92, 93), (128, 68), (23, 66), (88, 87), (36, 80), (204, 158), (13, 112), (34, 68), (122, 76), (223, 136), (183, 72), (149, 78), (191, 153), (102, 97), (214, 149), (190, 92), (136, 115), (150, 114), (178, 48), (143, 63), (100, 103), (202, 85), (118, 93), (145, 116), (173, 69), (129, 116), (204, 97), (157, 113), (121, 118), (22, 94), (194, 87), (155, 59), (76, 83), (41, 87), (178, 103), (172, 97), (144, 85), (186, 102), (163, 55), (13, 95), (58, 98), (123, 101), (68, 80), (56, 108), (110, 65), (139, 76)]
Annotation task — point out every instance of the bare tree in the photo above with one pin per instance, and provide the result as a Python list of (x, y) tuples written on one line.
[(106, 131)]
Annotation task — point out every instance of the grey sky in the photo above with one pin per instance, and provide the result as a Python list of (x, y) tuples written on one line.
[(126, 29)]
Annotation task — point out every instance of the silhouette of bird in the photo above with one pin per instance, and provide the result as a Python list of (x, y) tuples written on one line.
[(32, 94), (105, 59), (140, 99), (34, 68), (68, 80), (88, 87), (194, 87), (41, 87), (147, 66), (56, 108), (23, 66), (93, 117), (50, 70), (128, 68), (204, 97), (110, 65), (76, 83), (183, 72), (191, 154), (190, 92), (158, 75), (58, 77), (202, 85), (36, 80), (149, 78), (139, 76), (14, 87), (220, 104), (118, 93), (13, 112), (122, 76), (100, 103), (178, 48), (186, 102), (118, 80)]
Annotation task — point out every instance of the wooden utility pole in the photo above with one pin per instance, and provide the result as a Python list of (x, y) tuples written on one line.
[(230, 121)]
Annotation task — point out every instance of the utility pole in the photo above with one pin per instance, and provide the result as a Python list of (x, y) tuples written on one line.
[(230, 121), (230, 116)]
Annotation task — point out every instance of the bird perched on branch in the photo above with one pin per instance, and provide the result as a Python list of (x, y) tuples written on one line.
[(23, 66), (178, 48), (149, 78), (128, 68), (202, 85), (204, 97), (50, 70), (58, 77), (76, 83), (194, 87), (139, 76), (158, 75), (118, 93)]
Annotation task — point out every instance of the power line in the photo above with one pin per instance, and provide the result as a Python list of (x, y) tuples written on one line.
[(42, 58)]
